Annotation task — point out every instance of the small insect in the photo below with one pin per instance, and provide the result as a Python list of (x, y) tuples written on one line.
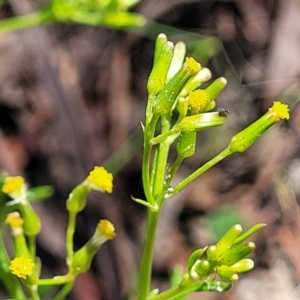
[(223, 112)]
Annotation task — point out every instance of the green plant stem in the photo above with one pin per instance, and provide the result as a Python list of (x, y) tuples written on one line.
[(180, 290), (175, 166), (147, 256), (32, 246), (26, 21), (64, 291), (34, 292), (56, 280), (148, 132), (69, 238), (162, 158), (10, 282), (180, 186)]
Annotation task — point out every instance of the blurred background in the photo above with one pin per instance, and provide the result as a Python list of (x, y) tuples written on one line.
[(73, 96)]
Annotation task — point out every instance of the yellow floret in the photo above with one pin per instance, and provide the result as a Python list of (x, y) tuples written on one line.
[(107, 229), (281, 110), (14, 220), (13, 185), (21, 267), (193, 66), (100, 179), (198, 100)]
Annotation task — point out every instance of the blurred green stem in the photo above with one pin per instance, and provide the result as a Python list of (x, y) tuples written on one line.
[(26, 21)]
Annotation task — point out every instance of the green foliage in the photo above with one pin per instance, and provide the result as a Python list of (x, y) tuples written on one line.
[(109, 13)]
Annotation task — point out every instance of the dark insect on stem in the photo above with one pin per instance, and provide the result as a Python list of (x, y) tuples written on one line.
[(223, 112)]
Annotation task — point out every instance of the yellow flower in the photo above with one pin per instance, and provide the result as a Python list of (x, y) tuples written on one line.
[(100, 179), (107, 229), (14, 220), (14, 186), (198, 100), (192, 65), (21, 267), (280, 110)]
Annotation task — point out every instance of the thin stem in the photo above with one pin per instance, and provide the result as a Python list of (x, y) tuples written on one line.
[(34, 292), (32, 245), (175, 166), (69, 237), (149, 132), (180, 290), (26, 21), (55, 280), (147, 257), (162, 137), (64, 291), (180, 186), (162, 159)]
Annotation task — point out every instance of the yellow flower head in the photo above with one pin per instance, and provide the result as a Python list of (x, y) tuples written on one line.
[(198, 100), (192, 65), (280, 110), (100, 179), (21, 267), (107, 229), (13, 186), (14, 220)]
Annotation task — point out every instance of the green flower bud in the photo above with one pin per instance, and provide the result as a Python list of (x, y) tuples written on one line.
[(243, 265), (248, 233), (15, 222), (32, 223), (228, 238), (177, 60), (225, 273), (160, 42), (77, 198), (157, 77), (235, 254), (201, 121), (212, 253), (216, 87), (245, 138), (168, 95), (202, 76), (82, 258), (195, 256), (186, 144), (201, 268), (182, 107)]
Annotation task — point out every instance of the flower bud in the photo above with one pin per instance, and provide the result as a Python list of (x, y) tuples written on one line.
[(215, 88), (195, 82), (243, 265), (186, 144), (77, 199), (195, 256), (225, 273), (229, 237), (245, 138), (177, 60), (235, 254), (157, 77), (32, 223), (201, 121), (201, 268), (15, 222), (168, 95), (82, 258)]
